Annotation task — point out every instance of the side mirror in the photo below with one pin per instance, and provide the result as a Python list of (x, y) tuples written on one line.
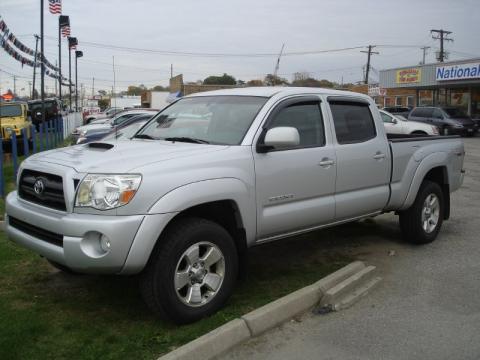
[(280, 137), (395, 121)]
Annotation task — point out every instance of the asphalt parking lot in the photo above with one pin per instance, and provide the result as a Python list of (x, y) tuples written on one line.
[(427, 307)]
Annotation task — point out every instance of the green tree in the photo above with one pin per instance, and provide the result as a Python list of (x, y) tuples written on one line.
[(225, 79), (272, 80), (256, 82), (159, 88), (135, 90)]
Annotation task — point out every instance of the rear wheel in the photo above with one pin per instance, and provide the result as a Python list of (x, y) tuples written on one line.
[(192, 272), (421, 223)]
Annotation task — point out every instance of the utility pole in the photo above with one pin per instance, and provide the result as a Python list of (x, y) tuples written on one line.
[(171, 71), (35, 65), (369, 53), (277, 65), (442, 36), (30, 86), (93, 87), (14, 85), (425, 48)]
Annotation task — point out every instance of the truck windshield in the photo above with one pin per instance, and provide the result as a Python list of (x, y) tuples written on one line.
[(10, 110), (206, 119)]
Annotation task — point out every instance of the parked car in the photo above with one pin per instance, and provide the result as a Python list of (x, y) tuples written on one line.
[(218, 172), (450, 120), (53, 109), (109, 122), (122, 131), (14, 117), (400, 125), (108, 113), (398, 110)]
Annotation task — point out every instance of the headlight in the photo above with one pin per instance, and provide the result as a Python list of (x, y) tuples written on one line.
[(458, 125), (81, 140), (107, 191)]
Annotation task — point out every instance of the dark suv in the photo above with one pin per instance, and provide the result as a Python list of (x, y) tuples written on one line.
[(53, 108), (450, 120)]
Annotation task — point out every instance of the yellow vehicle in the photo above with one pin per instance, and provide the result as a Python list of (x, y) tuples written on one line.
[(14, 116)]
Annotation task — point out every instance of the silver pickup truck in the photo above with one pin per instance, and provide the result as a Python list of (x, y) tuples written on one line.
[(218, 172)]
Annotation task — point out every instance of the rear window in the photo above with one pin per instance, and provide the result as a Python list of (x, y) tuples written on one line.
[(455, 112), (422, 112), (10, 110), (353, 122)]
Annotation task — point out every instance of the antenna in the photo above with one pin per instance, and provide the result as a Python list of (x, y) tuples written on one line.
[(277, 65)]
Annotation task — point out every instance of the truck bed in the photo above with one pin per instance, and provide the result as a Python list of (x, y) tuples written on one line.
[(409, 154)]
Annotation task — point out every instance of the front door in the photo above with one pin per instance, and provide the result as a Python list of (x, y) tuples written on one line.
[(295, 186)]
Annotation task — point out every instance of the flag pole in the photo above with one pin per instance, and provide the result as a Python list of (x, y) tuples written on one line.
[(60, 60), (42, 64)]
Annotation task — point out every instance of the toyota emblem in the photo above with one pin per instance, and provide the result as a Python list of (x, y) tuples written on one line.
[(39, 186)]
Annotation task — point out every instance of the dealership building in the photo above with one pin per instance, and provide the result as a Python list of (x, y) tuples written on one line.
[(454, 83)]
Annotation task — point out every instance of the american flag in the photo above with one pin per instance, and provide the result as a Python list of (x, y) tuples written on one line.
[(55, 6), (66, 31)]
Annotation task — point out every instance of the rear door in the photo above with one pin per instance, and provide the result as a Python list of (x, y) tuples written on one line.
[(295, 186), (363, 159)]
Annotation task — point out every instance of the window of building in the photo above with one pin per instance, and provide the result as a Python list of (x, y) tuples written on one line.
[(398, 101), (353, 122), (410, 101)]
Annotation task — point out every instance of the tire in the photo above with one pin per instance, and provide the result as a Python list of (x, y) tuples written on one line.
[(62, 268), (190, 298), (421, 226), (419, 133)]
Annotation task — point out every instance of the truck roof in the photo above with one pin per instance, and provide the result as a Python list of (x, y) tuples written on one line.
[(269, 91)]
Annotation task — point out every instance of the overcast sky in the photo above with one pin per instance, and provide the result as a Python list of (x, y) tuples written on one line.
[(239, 27)]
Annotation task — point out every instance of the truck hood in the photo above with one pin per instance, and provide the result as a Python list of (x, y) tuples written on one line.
[(120, 156), (9, 121)]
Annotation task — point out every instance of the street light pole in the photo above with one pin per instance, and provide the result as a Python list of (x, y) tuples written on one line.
[(78, 54)]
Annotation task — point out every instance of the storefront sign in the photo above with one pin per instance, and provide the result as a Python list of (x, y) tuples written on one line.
[(376, 90), (409, 76), (457, 72)]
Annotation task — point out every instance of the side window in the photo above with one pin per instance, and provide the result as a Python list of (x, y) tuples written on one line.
[(437, 114), (386, 118), (306, 117), (353, 122)]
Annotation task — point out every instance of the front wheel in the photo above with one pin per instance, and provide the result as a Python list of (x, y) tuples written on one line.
[(421, 223), (192, 271)]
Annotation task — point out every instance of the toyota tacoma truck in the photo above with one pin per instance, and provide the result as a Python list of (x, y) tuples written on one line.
[(216, 173)]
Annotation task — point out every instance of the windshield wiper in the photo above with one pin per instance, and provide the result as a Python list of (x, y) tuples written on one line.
[(144, 136), (187, 139)]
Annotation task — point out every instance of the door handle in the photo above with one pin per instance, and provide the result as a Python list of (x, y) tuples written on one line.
[(379, 156), (326, 162)]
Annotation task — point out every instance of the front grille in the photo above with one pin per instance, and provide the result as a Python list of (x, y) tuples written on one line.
[(36, 232), (52, 195)]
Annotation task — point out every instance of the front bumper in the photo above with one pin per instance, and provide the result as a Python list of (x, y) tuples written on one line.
[(131, 237)]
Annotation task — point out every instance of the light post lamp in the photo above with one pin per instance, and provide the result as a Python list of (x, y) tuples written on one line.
[(78, 54)]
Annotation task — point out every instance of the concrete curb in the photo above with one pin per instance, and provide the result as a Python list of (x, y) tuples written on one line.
[(237, 331)]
